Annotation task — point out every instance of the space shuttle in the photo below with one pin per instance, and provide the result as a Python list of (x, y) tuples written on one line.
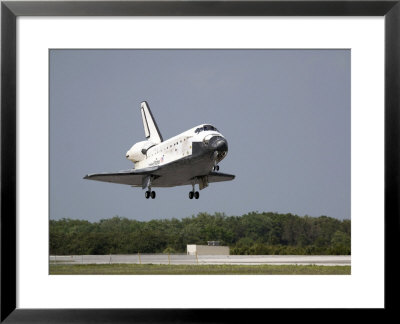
[(190, 158)]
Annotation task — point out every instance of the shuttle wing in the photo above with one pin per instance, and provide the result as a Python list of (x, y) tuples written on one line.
[(160, 177), (129, 177), (218, 177), (204, 180)]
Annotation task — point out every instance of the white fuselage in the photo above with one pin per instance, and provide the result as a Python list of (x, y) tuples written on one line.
[(190, 158), (173, 149)]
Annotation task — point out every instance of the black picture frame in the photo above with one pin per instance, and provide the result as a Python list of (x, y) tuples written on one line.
[(10, 10)]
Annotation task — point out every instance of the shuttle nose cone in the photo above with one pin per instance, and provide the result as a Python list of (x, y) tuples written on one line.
[(218, 143)]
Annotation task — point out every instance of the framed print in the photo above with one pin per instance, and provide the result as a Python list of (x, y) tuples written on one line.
[(370, 30)]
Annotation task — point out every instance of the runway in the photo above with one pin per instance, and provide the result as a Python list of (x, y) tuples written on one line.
[(326, 260)]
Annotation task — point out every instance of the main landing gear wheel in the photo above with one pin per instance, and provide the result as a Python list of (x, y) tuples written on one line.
[(149, 194), (194, 194), (216, 168)]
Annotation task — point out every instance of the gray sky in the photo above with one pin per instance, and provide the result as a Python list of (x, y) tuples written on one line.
[(285, 114)]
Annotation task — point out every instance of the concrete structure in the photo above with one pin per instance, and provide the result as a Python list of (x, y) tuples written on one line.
[(194, 249)]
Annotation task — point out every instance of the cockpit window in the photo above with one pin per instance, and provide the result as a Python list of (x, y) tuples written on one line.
[(205, 128)]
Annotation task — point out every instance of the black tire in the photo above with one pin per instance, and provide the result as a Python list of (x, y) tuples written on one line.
[(147, 194), (196, 195), (191, 194), (217, 168), (153, 194)]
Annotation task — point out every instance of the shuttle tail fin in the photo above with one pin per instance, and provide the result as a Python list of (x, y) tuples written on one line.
[(150, 126)]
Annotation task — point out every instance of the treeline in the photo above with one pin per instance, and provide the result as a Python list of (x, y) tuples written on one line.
[(253, 233)]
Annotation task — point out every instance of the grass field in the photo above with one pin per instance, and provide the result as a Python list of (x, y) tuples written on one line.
[(154, 269)]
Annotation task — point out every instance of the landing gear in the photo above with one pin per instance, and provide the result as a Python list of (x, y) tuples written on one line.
[(147, 181), (194, 193), (149, 194), (216, 168)]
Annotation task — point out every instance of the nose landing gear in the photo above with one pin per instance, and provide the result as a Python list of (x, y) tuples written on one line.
[(216, 158)]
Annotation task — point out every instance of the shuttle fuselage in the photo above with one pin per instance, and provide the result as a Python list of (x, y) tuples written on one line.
[(191, 157)]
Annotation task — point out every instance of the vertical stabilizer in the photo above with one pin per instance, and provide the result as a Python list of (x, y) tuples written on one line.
[(151, 130)]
